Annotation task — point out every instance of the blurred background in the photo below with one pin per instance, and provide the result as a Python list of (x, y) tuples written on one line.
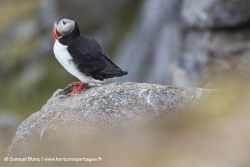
[(169, 42)]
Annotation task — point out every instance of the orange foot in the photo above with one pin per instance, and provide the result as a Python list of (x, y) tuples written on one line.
[(77, 87)]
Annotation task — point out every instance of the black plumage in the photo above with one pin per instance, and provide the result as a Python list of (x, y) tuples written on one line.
[(88, 55)]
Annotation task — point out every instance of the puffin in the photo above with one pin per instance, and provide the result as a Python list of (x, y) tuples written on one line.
[(81, 55)]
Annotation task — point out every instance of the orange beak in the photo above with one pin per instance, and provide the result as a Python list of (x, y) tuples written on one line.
[(53, 35)]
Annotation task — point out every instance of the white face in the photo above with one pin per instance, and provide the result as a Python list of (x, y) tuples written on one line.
[(65, 26)]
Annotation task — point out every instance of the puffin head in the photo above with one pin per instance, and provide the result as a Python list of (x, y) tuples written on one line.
[(63, 26)]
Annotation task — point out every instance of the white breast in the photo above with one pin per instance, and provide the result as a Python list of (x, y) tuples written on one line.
[(65, 59)]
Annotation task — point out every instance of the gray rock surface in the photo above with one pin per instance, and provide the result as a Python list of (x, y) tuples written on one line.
[(192, 59), (151, 48), (169, 42), (215, 13), (106, 108)]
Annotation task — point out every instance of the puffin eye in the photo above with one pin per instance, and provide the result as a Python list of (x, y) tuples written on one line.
[(64, 23)]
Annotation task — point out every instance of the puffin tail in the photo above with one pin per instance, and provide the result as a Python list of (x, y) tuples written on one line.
[(118, 74), (124, 73)]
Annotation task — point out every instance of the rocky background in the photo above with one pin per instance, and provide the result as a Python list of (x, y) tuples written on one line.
[(168, 42), (132, 124)]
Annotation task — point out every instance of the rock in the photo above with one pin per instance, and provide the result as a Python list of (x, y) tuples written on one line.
[(228, 53), (192, 59), (151, 48), (215, 42), (215, 13), (169, 41), (102, 109)]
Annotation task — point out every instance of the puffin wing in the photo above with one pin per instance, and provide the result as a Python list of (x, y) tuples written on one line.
[(95, 64)]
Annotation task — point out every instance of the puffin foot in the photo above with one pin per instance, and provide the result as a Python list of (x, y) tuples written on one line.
[(77, 87)]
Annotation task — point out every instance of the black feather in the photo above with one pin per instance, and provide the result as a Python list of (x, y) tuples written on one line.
[(89, 57)]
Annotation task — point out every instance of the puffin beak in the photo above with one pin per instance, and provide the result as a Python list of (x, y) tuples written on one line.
[(53, 35)]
